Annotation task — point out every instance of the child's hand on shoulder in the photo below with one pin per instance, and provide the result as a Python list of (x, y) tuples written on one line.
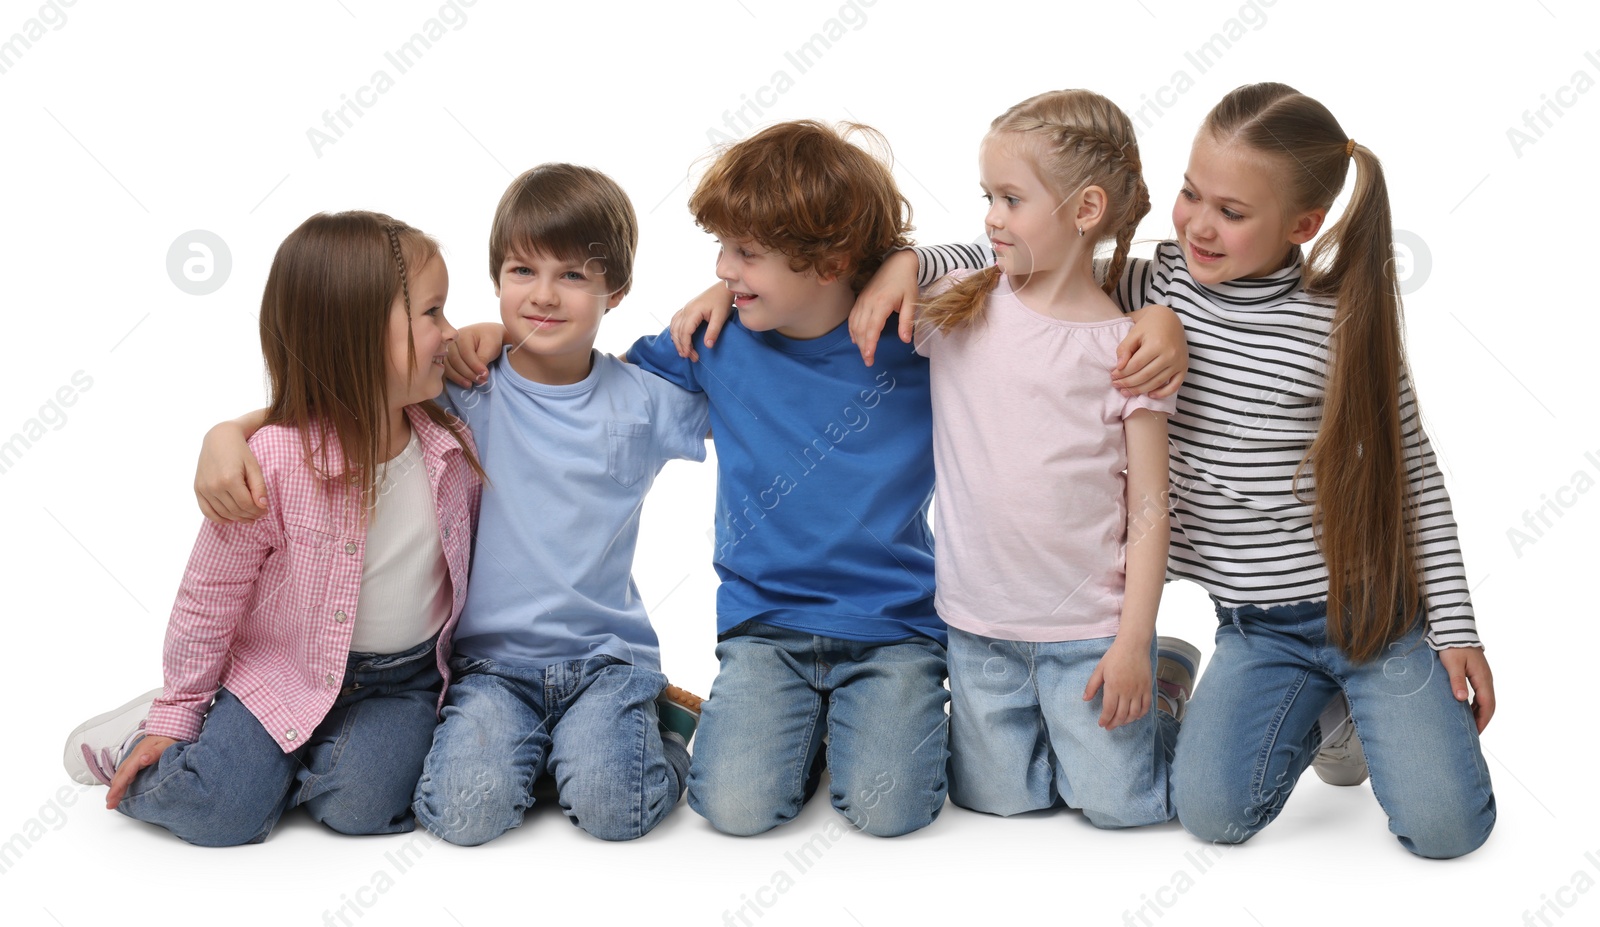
[(475, 346), (710, 308), (892, 289), (1125, 674), (1154, 358), (227, 481)]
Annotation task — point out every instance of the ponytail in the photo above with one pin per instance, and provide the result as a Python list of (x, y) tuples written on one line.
[(962, 304), (1363, 508), (1364, 515)]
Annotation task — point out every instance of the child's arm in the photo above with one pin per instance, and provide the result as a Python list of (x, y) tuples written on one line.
[(893, 288), (1452, 625), (712, 308), (1125, 670), (475, 346), (227, 481), (1154, 358), (217, 585)]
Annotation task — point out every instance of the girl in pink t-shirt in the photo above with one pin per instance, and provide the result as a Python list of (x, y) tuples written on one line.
[(1052, 486)]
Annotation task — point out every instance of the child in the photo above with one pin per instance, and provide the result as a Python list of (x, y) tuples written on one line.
[(828, 642), (557, 667), (1306, 497), (1036, 517), (306, 651)]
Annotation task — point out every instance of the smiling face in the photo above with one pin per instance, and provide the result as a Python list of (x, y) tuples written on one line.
[(551, 308), (417, 362), (1230, 218), (1028, 226), (769, 295)]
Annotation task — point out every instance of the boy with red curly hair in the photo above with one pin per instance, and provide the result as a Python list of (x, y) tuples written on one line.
[(831, 653)]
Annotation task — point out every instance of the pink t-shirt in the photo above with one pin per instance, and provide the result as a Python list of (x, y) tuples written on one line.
[(1030, 490)]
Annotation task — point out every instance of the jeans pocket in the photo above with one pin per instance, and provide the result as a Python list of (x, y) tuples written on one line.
[(628, 451)]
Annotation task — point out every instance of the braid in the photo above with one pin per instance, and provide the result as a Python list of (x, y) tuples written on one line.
[(1092, 141), (405, 290), (400, 260), (1138, 196)]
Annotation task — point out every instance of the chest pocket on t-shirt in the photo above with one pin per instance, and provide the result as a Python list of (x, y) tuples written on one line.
[(628, 451)]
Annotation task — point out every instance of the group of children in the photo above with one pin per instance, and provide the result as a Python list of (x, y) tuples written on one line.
[(413, 600)]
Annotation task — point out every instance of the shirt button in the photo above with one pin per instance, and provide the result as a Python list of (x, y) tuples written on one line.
[(350, 547), (447, 532), (290, 734), (330, 679), (339, 617)]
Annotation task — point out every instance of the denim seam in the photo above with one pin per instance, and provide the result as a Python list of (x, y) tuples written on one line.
[(1264, 760)]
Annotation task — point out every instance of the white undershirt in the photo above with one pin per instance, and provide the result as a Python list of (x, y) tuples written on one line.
[(405, 581)]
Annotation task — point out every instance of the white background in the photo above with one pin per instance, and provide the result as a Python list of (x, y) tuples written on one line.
[(131, 124)]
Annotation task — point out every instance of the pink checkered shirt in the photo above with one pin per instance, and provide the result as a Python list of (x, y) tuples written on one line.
[(268, 609)]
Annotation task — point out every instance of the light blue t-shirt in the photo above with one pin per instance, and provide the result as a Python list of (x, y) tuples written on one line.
[(824, 479), (568, 470)]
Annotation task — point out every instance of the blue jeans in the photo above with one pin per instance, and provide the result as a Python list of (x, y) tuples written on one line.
[(1251, 730), (1022, 738), (355, 773), (591, 723), (882, 705)]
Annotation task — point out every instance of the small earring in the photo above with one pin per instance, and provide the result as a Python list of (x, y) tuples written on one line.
[(1080, 231)]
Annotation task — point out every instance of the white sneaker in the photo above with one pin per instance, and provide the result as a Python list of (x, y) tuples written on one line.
[(1177, 665), (1340, 761), (97, 746)]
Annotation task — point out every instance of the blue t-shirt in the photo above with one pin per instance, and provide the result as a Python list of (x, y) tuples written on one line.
[(568, 469), (824, 479)]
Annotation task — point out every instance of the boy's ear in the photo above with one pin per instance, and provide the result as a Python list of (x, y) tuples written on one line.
[(835, 268), (613, 300), (1306, 225)]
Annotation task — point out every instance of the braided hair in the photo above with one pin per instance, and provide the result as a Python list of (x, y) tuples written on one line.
[(1079, 139)]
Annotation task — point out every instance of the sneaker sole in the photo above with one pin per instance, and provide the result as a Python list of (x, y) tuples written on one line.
[(679, 711), (72, 754), (1181, 652), (684, 699)]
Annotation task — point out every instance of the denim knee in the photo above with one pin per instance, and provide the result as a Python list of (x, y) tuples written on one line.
[(1228, 818), (1448, 833), (358, 819), (466, 808), (736, 811), (877, 807), (227, 821), (606, 822)]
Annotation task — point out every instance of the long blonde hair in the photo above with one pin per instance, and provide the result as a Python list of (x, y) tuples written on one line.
[(1363, 509), (1079, 139)]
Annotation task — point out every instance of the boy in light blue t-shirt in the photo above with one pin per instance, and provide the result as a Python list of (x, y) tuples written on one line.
[(556, 665), (556, 668)]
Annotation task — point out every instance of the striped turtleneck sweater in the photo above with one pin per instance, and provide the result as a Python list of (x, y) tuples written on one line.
[(1247, 413)]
